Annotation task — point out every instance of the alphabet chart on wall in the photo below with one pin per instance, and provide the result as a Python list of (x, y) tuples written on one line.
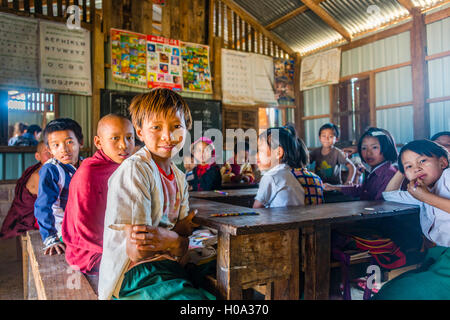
[(19, 48), (65, 59)]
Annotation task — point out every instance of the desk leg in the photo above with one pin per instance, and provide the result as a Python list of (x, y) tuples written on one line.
[(228, 286), (316, 242)]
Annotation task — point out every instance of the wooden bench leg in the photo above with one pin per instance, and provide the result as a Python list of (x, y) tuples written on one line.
[(23, 243), (316, 243)]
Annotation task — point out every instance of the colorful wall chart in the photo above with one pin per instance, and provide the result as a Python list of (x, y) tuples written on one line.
[(284, 81), (196, 69), (129, 58), (164, 63), (19, 52), (65, 59)]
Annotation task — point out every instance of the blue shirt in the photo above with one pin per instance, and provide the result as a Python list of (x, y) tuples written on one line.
[(53, 192)]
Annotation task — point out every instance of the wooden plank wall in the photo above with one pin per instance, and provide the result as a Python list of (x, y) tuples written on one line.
[(55, 10)]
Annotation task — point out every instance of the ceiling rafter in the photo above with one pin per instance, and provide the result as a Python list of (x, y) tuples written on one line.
[(258, 26), (407, 4), (289, 16), (329, 20)]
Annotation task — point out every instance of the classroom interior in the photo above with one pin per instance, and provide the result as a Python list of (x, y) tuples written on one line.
[(242, 64)]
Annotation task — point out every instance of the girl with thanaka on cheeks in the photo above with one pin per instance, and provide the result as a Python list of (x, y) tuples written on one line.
[(147, 219), (426, 165), (377, 149)]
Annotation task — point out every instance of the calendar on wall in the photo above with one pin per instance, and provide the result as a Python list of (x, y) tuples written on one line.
[(237, 82), (19, 52)]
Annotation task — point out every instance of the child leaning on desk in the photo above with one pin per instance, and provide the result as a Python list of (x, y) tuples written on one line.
[(147, 223), (426, 165), (280, 153), (377, 149)]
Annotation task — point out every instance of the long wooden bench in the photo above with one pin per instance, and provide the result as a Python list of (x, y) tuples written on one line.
[(53, 278)]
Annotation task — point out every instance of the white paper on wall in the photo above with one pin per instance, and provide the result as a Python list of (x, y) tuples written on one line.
[(19, 52), (320, 69), (65, 57)]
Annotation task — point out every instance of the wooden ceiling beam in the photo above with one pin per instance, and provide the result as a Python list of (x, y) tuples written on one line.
[(407, 4), (289, 16), (329, 20), (257, 26)]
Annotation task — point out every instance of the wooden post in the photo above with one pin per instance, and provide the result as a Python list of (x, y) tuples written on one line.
[(142, 16), (217, 83), (419, 76), (316, 242), (166, 19), (298, 113), (372, 99), (98, 71)]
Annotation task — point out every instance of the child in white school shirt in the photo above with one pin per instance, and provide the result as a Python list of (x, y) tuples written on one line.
[(426, 165)]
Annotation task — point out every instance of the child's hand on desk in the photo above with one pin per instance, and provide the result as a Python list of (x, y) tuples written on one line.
[(330, 187), (185, 226), (57, 248)]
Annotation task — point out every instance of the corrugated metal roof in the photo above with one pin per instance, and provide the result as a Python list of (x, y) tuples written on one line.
[(267, 11), (307, 32)]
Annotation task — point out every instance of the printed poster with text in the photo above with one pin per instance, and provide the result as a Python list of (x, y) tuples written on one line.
[(129, 58), (196, 70), (284, 81), (65, 59), (164, 63), (19, 52)]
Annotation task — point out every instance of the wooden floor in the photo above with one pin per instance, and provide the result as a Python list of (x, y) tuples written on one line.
[(10, 271)]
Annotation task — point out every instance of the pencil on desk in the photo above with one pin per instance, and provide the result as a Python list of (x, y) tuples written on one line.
[(221, 192), (229, 214)]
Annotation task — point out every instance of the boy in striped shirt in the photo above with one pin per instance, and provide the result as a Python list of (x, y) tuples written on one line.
[(64, 139)]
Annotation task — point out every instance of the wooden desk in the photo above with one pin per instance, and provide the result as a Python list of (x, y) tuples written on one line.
[(239, 197), (254, 250)]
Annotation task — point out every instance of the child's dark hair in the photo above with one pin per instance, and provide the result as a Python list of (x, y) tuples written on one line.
[(439, 134), (34, 128), (295, 151), (423, 147), (387, 143), (158, 100), (331, 126), (62, 124)]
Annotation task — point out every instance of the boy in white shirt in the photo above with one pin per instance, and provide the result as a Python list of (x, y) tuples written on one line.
[(426, 165), (147, 223)]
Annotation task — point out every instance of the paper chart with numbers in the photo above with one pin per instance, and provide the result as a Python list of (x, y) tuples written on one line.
[(65, 59), (19, 52), (237, 80)]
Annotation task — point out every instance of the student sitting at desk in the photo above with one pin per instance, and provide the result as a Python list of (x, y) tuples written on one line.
[(239, 169), (82, 226), (426, 165), (443, 138), (377, 149), (20, 217), (279, 151), (206, 174)]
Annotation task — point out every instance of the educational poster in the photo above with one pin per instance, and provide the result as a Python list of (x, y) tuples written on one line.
[(129, 58), (196, 70), (284, 81), (320, 69), (65, 59), (237, 80), (164, 63), (263, 82), (19, 52)]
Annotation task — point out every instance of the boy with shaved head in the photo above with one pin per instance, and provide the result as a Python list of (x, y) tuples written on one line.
[(20, 217), (82, 228)]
